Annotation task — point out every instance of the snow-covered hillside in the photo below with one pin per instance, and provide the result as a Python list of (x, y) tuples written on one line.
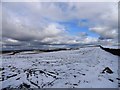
[(81, 68), (111, 47)]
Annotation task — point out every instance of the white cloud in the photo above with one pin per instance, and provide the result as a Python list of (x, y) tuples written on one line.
[(12, 40), (53, 30), (37, 22), (90, 40), (105, 32)]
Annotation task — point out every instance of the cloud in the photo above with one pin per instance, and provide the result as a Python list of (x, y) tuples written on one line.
[(37, 22), (17, 30), (105, 32), (106, 25)]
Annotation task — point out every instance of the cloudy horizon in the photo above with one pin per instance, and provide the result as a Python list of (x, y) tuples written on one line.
[(37, 23)]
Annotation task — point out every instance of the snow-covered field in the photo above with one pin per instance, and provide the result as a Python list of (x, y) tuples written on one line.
[(63, 69), (112, 47)]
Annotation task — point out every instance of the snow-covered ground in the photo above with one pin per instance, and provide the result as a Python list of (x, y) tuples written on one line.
[(111, 46), (63, 69)]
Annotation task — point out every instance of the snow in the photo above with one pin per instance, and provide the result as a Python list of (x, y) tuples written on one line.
[(63, 69), (111, 46)]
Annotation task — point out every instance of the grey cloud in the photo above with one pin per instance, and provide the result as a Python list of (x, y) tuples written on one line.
[(105, 32), (15, 29), (36, 22)]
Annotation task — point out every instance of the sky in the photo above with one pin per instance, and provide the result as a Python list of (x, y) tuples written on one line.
[(37, 23)]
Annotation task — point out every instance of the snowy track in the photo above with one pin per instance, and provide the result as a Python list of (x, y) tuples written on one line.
[(63, 69)]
